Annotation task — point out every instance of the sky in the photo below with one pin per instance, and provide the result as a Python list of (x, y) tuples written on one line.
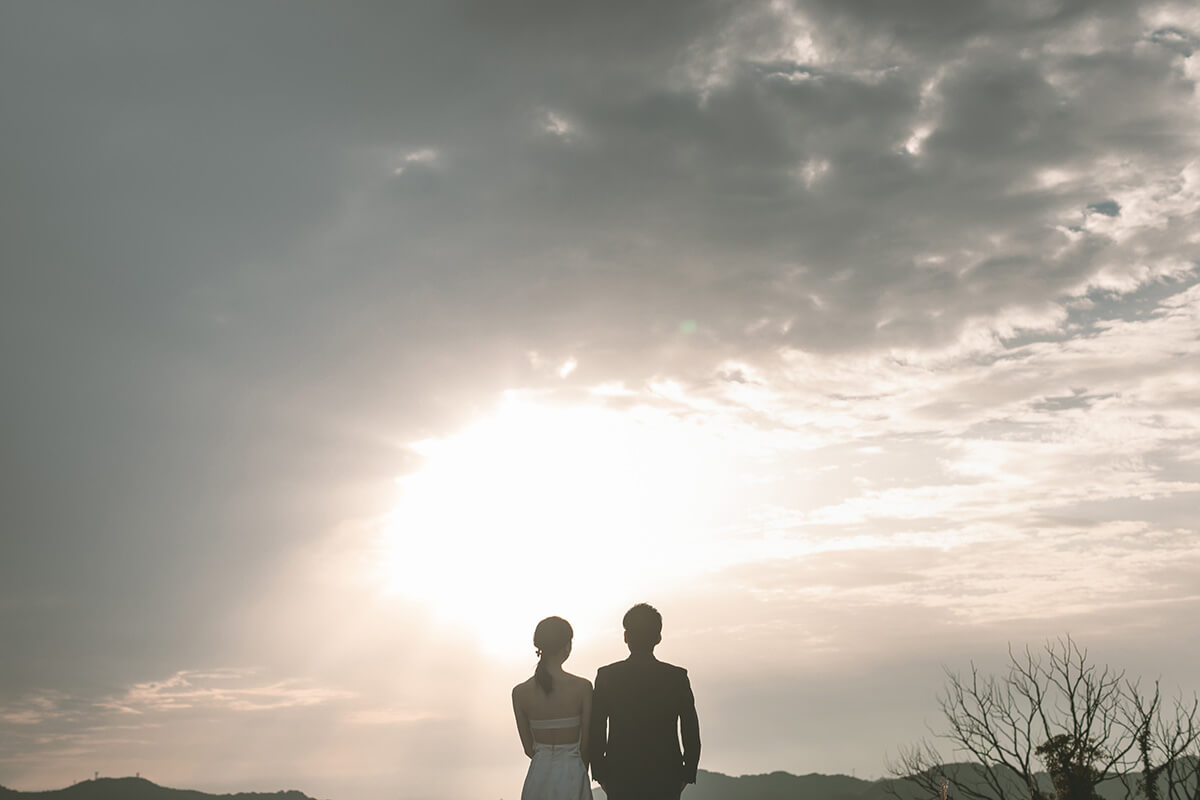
[(342, 342)]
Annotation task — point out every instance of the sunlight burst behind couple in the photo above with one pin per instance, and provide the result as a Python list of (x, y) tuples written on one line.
[(544, 485)]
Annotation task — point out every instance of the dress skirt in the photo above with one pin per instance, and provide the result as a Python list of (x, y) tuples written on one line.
[(557, 772)]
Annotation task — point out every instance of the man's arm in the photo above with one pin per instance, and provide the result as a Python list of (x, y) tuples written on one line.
[(689, 731), (598, 729)]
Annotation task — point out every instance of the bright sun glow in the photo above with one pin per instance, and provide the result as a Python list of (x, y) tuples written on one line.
[(538, 510)]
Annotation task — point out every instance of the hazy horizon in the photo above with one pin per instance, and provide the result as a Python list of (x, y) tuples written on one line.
[(343, 342)]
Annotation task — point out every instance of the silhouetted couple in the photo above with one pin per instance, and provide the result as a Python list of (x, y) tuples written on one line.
[(628, 729)]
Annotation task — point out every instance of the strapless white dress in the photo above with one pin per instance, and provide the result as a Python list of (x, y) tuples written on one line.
[(557, 771)]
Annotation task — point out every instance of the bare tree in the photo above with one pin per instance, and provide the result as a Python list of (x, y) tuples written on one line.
[(1057, 713), (1167, 746)]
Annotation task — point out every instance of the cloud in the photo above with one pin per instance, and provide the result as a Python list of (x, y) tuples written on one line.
[(389, 716), (36, 708), (233, 716), (219, 690), (997, 480), (195, 690)]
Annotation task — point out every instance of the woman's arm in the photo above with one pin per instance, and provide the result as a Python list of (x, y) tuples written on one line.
[(523, 729), (585, 721)]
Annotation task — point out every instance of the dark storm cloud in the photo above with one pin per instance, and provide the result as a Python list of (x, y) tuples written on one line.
[(703, 175), (775, 203)]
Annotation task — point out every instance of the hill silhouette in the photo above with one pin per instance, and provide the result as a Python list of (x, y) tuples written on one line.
[(709, 786), (139, 789), (815, 786)]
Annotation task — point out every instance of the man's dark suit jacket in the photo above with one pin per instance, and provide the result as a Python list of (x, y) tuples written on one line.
[(637, 707)]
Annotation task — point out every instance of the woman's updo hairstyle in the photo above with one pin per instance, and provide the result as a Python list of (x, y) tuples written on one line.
[(549, 637)]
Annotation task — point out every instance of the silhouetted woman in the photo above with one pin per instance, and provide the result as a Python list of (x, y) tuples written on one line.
[(553, 709)]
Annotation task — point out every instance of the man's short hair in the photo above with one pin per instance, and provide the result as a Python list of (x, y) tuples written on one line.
[(643, 626)]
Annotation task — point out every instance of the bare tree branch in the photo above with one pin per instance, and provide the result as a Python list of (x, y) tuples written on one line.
[(1084, 723)]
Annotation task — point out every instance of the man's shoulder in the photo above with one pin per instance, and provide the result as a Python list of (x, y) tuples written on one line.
[(675, 670), (616, 666)]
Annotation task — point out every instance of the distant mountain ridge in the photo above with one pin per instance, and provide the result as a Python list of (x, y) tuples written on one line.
[(786, 786), (782, 786), (816, 786), (708, 786), (139, 789)]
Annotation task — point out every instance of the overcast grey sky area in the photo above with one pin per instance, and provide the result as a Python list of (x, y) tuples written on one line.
[(343, 341)]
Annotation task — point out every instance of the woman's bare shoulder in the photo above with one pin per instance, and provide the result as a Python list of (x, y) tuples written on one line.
[(522, 689)]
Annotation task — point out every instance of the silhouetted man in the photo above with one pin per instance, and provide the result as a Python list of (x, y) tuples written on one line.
[(639, 709)]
